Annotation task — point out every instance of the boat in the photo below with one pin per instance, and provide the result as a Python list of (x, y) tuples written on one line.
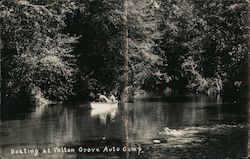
[(103, 106)]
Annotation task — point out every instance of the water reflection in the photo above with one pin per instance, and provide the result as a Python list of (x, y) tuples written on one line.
[(189, 121), (39, 110), (104, 114), (146, 119)]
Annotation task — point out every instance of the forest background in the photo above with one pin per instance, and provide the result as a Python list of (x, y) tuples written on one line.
[(70, 50)]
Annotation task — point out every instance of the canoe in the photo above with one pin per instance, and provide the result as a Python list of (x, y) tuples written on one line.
[(103, 106)]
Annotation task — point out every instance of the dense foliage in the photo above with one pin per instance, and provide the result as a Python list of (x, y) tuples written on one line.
[(73, 49), (36, 57), (99, 51), (146, 59), (205, 43)]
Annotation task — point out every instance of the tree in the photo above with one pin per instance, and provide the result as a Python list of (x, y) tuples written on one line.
[(225, 46), (204, 43), (36, 56), (145, 57), (100, 50)]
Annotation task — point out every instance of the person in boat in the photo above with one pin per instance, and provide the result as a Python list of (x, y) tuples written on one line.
[(103, 98), (113, 98)]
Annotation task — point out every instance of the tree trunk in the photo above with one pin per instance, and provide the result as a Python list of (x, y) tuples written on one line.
[(0, 76), (124, 96), (248, 67)]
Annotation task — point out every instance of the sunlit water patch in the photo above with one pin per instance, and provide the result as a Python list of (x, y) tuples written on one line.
[(195, 135)]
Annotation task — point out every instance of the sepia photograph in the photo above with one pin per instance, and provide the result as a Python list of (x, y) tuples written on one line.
[(124, 79)]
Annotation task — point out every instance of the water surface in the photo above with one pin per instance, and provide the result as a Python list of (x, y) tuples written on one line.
[(187, 126)]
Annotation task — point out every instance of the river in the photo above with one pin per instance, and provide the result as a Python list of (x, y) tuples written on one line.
[(152, 126)]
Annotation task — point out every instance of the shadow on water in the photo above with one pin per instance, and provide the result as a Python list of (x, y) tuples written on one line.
[(16, 111), (186, 127)]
